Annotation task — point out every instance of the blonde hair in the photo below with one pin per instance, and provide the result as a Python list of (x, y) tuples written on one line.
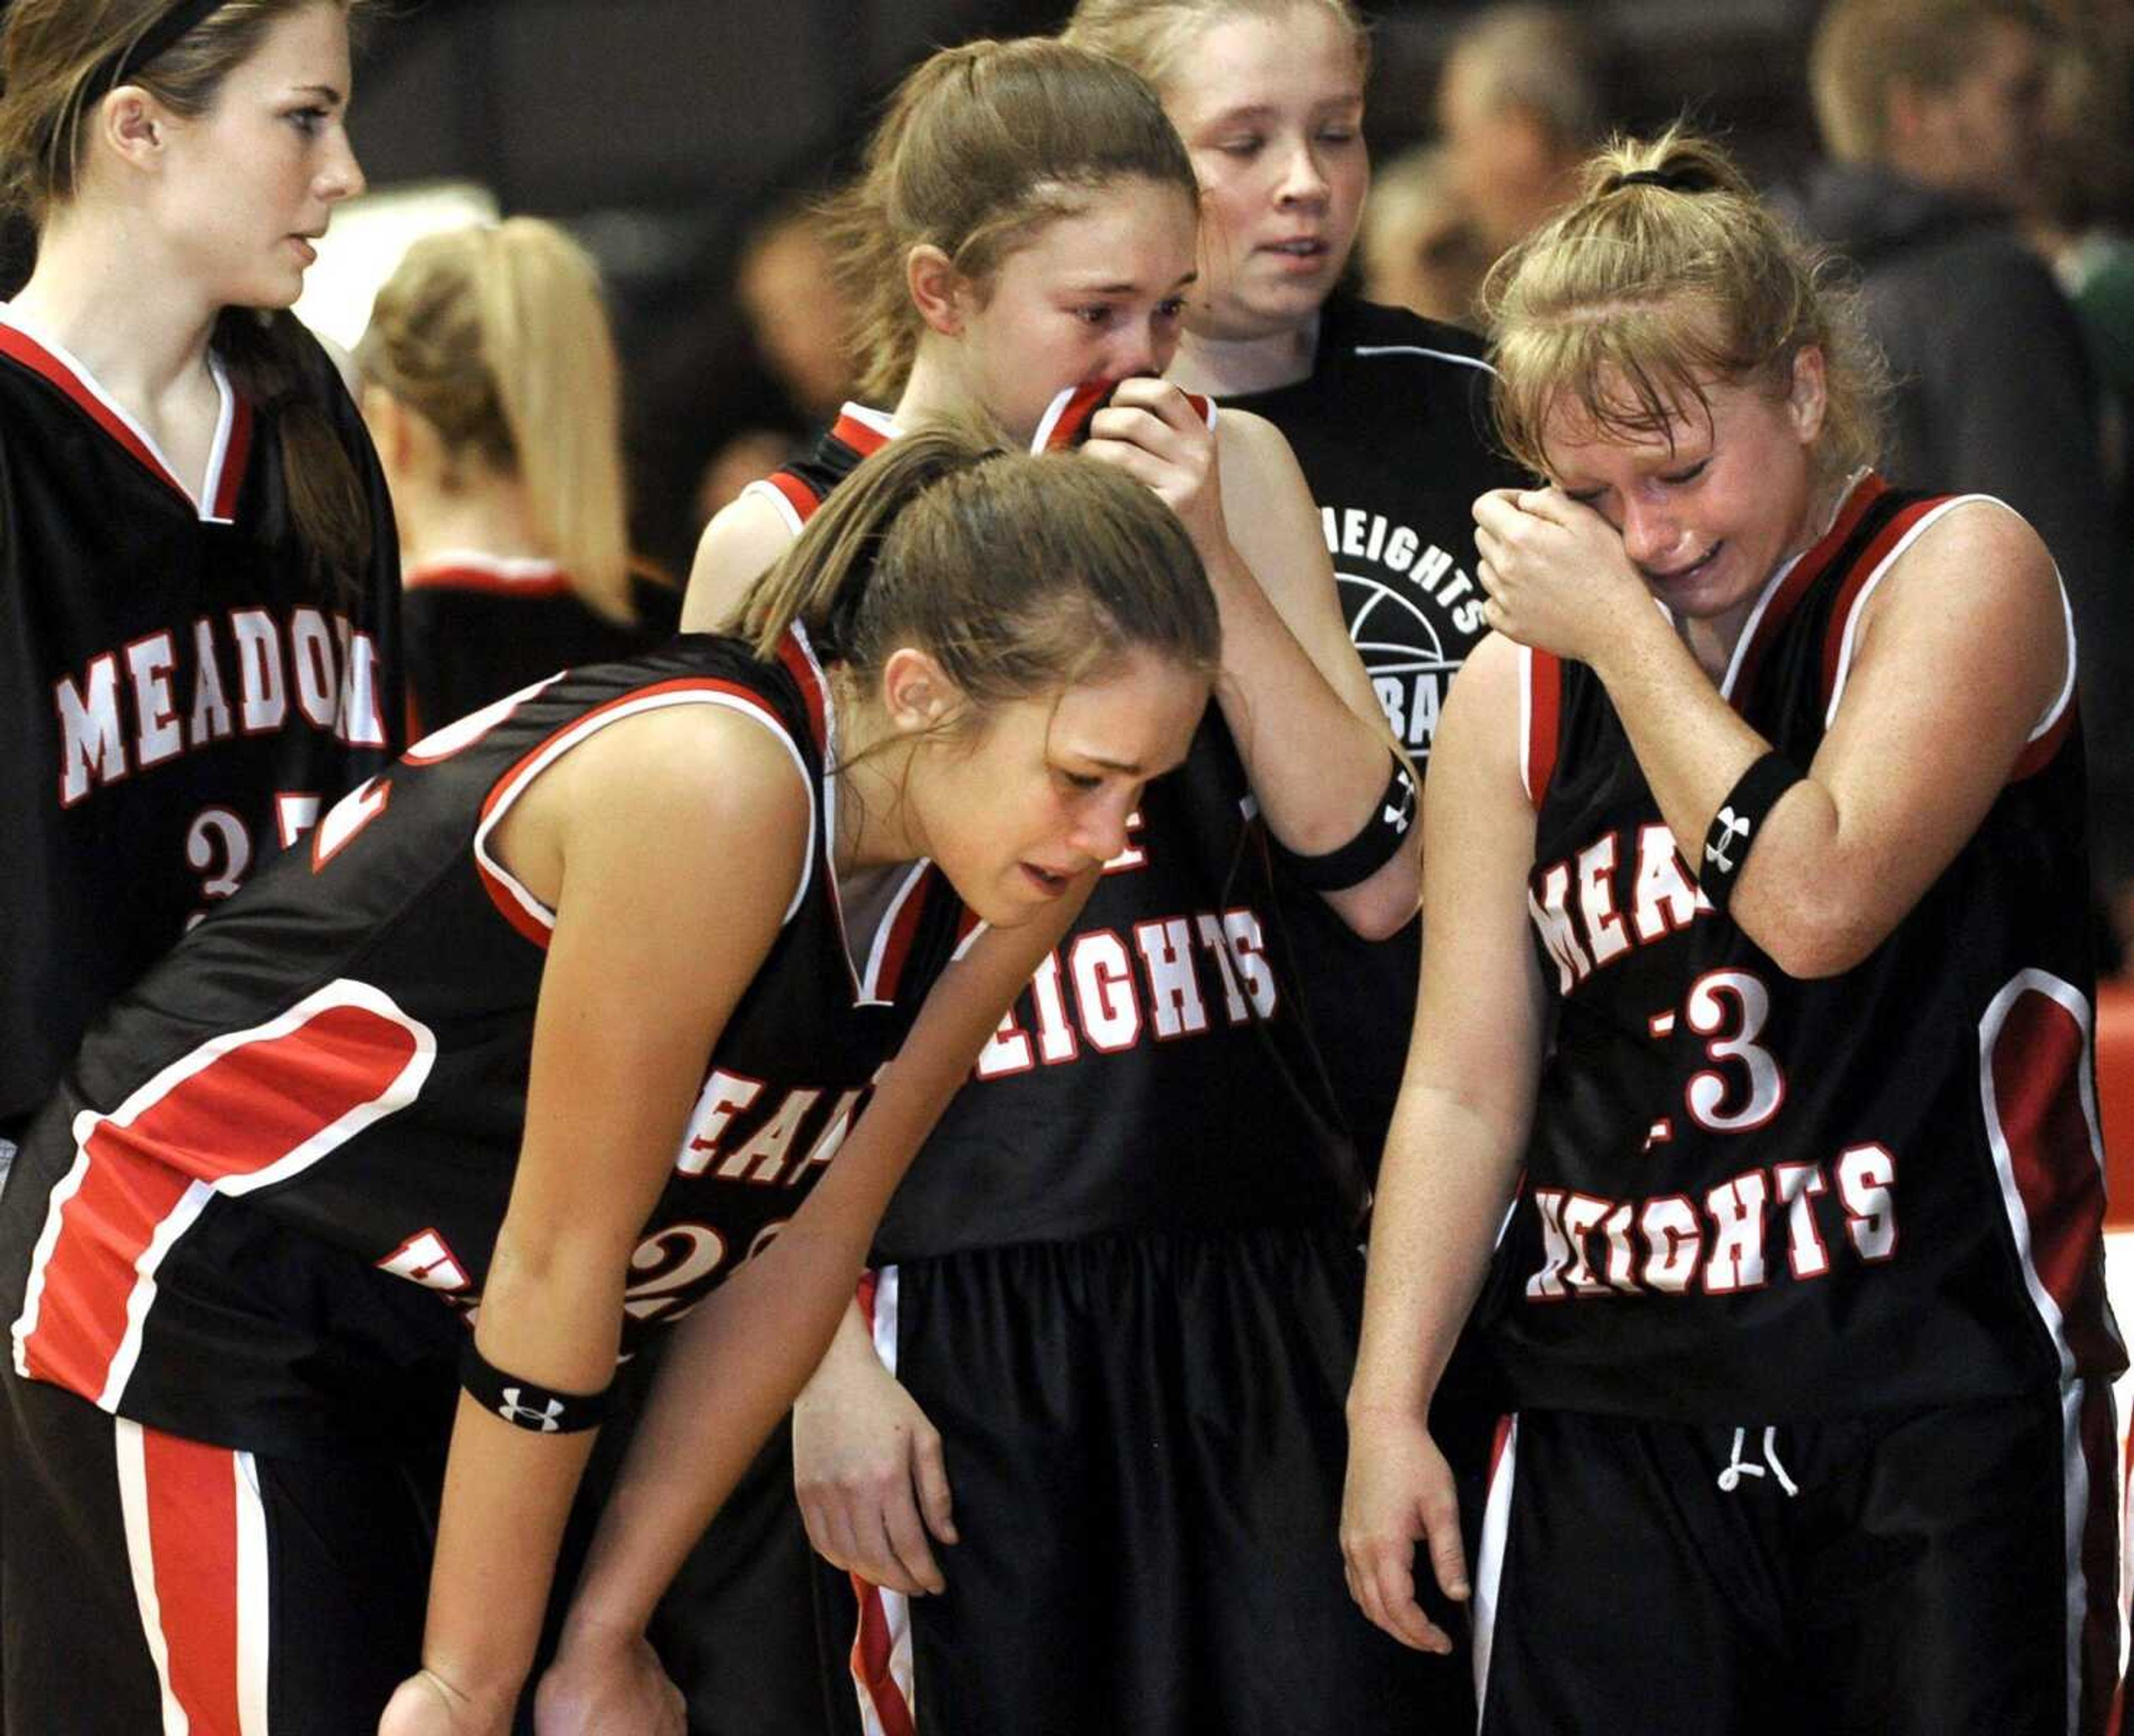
[(57, 57), (1862, 47), (1152, 36), (1020, 574), (498, 336), (981, 146), (1633, 302)]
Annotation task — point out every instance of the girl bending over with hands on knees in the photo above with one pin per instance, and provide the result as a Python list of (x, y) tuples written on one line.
[(1140, 1194), (1801, 1301), (491, 383), (320, 1264), (199, 598)]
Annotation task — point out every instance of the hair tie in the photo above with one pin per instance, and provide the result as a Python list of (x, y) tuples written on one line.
[(152, 43), (1674, 180)]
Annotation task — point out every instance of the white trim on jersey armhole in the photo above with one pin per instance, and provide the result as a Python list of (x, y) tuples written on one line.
[(1491, 1548), (1435, 355), (762, 488), (1852, 632), (1748, 627), (589, 726), (968, 941)]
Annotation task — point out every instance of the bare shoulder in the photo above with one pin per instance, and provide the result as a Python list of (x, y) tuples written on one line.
[(1978, 548), (744, 537), (1251, 445)]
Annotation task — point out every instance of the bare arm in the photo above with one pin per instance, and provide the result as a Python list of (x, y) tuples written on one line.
[(644, 967), (741, 541), (1964, 642), (737, 1362), (1458, 1131), (1307, 723)]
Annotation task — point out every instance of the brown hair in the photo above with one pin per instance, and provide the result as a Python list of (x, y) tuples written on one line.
[(498, 336), (982, 145), (1020, 574), (1862, 47), (51, 52), (1150, 36), (1631, 303)]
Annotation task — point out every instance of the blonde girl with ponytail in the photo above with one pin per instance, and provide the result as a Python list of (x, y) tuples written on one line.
[(492, 388), (451, 1113), (1750, 1087)]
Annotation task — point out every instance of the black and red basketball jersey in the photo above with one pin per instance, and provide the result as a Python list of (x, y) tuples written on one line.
[(1753, 1198), (180, 695), (1392, 428), (1155, 1072), (275, 1174), (479, 626)]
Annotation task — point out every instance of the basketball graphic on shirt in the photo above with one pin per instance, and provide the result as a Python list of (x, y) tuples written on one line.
[(1398, 638)]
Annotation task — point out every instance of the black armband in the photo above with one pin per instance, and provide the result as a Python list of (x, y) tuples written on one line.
[(525, 1405), (1735, 826), (1382, 835)]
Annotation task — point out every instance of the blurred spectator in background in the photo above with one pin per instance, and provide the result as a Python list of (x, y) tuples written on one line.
[(2079, 225), (1418, 247), (1527, 95), (802, 330), (788, 296), (1931, 113), (491, 388)]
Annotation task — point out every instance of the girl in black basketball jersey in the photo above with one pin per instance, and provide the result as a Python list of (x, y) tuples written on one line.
[(198, 589), (491, 386), (1145, 1197), (422, 1098), (1760, 945), (1388, 413)]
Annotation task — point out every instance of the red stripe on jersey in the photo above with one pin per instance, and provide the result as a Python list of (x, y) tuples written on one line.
[(2103, 1598), (229, 483), (236, 1111), (1069, 424), (18, 345), (903, 930), (1544, 720), (1498, 1442), (1797, 584), (506, 789), (862, 435), (2038, 754), (2038, 1059), (800, 665), (1864, 570), (797, 495), (191, 1491)]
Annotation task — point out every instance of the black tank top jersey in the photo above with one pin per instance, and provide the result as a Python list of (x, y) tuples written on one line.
[(271, 1183), (479, 626), (180, 697), (1154, 1074), (1753, 1198), (1392, 428)]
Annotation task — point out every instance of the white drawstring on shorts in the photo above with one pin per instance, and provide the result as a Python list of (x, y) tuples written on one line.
[(1730, 1479)]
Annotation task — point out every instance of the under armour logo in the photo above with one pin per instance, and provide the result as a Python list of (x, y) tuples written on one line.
[(1729, 829), (526, 1417), (1401, 815)]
